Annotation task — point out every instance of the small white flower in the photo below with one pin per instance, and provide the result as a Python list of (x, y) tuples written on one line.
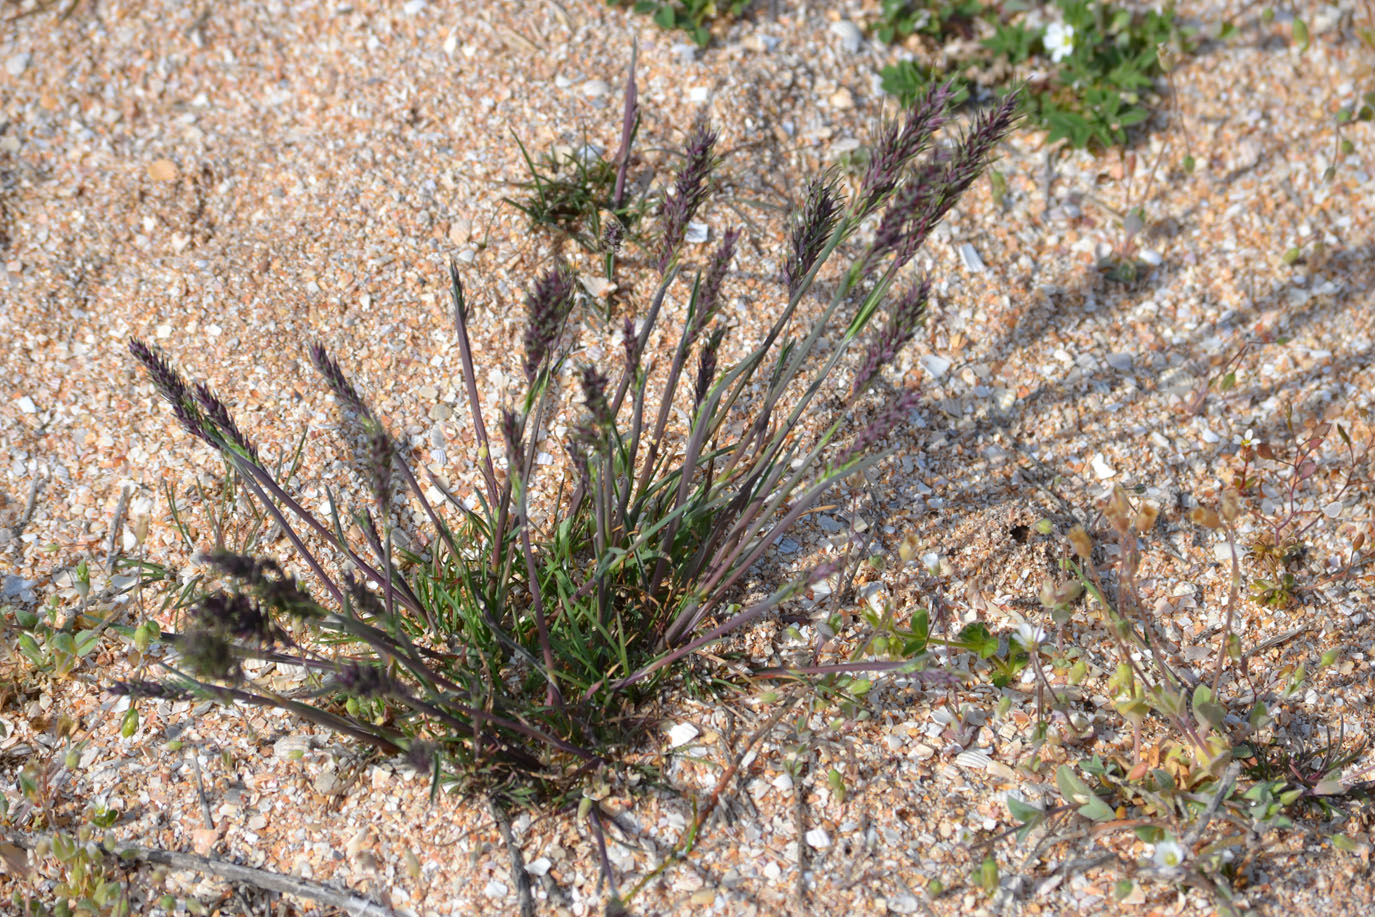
[(1030, 636), (1058, 41), (1245, 439), (1168, 854)]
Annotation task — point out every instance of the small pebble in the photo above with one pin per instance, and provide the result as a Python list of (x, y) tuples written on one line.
[(818, 838), (851, 38), (16, 587), (902, 903), (290, 747), (971, 259), (25, 404), (203, 840), (682, 733), (326, 782), (934, 365), (697, 233), (845, 145), (162, 170), (595, 88), (16, 64), (596, 285)]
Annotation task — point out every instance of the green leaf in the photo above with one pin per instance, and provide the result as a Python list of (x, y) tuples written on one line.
[(129, 725), (1344, 843), (837, 784), (1207, 710), (1301, 35), (1023, 811), (1095, 766), (1072, 787), (920, 628), (1077, 792), (86, 641), (987, 875), (29, 647), (1150, 834), (977, 639), (62, 644), (1097, 810)]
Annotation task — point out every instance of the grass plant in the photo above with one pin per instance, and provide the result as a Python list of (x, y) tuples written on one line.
[(518, 653)]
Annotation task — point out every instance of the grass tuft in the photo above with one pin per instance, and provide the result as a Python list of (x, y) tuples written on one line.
[(519, 653)]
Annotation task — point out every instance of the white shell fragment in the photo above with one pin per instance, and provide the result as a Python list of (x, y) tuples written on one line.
[(682, 733)]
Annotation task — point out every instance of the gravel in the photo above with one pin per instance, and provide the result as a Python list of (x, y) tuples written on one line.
[(237, 183)]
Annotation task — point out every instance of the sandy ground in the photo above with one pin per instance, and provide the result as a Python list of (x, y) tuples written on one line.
[(234, 180)]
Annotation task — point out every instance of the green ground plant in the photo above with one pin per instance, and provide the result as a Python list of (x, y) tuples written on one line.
[(1213, 778), (694, 17), (83, 877), (1099, 60), (581, 196), (516, 654)]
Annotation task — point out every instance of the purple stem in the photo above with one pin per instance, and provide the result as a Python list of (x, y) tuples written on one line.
[(632, 114), (484, 444)]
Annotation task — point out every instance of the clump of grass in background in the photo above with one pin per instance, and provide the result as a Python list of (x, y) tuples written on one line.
[(1098, 61), (519, 653), (935, 19), (583, 197), (569, 191), (694, 17)]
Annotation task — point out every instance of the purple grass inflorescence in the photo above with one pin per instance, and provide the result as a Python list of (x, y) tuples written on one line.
[(690, 190), (809, 232), (903, 318), (547, 307)]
